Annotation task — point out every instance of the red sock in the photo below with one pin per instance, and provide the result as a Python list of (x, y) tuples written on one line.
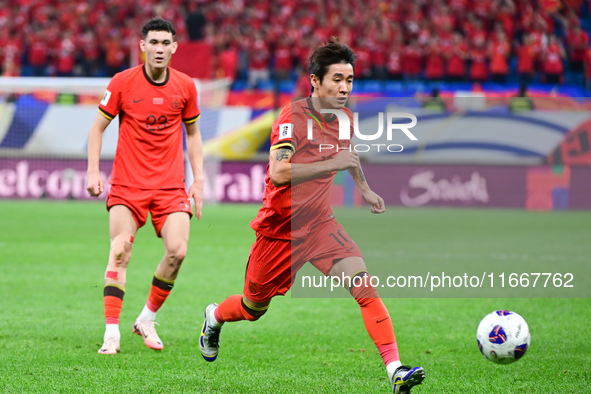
[(389, 352), (231, 309), (377, 322), (159, 291), (113, 300)]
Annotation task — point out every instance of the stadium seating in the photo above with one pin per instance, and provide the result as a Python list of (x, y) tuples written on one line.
[(73, 38)]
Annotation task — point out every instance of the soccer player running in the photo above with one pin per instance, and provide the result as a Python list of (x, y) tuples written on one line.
[(152, 101), (296, 223)]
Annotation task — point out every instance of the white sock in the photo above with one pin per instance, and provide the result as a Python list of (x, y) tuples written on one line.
[(216, 323), (147, 314), (112, 330), (391, 368)]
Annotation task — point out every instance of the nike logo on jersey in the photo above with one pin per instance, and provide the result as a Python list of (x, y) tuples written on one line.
[(350, 249), (137, 101), (379, 321)]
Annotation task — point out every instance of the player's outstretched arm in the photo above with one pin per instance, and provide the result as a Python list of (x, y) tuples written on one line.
[(195, 153), (376, 202), (95, 183), (283, 172)]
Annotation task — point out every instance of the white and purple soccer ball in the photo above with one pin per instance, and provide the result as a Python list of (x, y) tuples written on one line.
[(503, 337)]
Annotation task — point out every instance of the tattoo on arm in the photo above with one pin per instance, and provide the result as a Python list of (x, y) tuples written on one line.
[(358, 173), (283, 153)]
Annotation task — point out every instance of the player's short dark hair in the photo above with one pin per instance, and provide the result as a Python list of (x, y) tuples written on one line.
[(158, 24), (333, 52)]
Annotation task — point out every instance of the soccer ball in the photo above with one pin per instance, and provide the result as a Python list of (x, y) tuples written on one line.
[(503, 337)]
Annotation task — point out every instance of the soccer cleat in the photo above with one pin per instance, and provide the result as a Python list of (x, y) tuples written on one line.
[(110, 346), (209, 342), (404, 378), (146, 329)]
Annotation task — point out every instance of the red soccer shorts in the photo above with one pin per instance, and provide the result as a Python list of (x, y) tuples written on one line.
[(270, 272), (158, 202)]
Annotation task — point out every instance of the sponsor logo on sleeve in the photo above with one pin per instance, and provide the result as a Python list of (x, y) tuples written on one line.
[(285, 130), (106, 97)]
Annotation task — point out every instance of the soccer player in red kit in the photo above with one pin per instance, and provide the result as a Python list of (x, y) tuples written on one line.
[(152, 101), (296, 223)]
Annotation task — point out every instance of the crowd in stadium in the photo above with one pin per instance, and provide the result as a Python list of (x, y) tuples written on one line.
[(455, 40)]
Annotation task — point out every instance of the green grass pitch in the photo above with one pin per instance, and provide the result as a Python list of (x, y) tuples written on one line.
[(51, 323)]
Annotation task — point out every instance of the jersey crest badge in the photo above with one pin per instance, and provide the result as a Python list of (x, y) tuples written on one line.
[(176, 101), (285, 130)]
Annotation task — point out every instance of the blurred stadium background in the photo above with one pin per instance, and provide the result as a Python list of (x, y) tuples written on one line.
[(498, 87)]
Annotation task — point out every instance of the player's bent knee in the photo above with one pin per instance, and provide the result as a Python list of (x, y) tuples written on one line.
[(253, 313), (177, 254), (361, 288), (121, 247)]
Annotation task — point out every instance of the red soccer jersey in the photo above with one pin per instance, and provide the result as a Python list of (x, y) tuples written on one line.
[(362, 64), (289, 212), (587, 62), (478, 70), (499, 58), (577, 45), (283, 58), (456, 65), (150, 147), (434, 68), (553, 60), (38, 52), (412, 60), (525, 58), (394, 64)]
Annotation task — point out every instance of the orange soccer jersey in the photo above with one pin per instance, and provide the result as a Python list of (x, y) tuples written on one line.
[(150, 147), (289, 212)]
